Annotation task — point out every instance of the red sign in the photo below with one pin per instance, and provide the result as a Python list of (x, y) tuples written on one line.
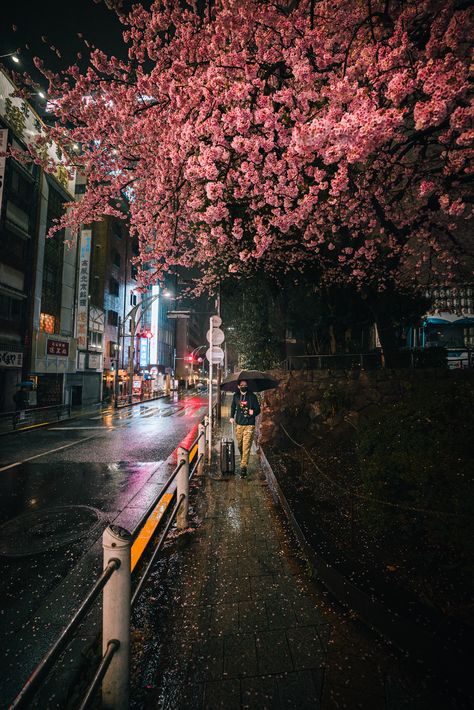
[(60, 348)]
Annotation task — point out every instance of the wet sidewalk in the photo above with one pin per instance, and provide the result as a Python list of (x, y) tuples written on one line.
[(248, 629)]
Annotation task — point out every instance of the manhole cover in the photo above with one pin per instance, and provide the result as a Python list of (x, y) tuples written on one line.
[(48, 529)]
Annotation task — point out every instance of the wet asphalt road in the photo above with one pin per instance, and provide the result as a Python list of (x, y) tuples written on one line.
[(91, 470)]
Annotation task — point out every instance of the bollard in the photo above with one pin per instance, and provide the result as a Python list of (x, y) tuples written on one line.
[(117, 544), (201, 447), (182, 486)]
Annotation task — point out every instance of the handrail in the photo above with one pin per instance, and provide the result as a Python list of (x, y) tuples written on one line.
[(195, 465), (48, 660), (157, 550), (153, 505), (112, 646), (34, 409)]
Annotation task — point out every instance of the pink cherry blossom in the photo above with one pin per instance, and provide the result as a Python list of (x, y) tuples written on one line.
[(255, 136)]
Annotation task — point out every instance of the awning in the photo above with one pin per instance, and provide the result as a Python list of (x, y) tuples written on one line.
[(466, 321)]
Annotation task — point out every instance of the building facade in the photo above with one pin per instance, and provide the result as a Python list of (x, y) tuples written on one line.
[(37, 275)]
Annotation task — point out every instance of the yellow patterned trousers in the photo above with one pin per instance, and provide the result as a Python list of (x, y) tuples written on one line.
[(244, 435)]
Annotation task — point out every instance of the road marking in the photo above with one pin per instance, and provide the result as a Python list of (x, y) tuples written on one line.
[(51, 451), (81, 428)]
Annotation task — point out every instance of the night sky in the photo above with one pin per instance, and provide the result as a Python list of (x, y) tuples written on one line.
[(59, 22)]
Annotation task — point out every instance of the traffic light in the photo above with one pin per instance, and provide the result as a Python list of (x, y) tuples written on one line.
[(146, 334), (190, 358)]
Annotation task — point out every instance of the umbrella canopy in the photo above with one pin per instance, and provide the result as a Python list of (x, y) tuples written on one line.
[(256, 380)]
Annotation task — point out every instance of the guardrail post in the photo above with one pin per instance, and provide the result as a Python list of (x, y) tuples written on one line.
[(182, 487), (206, 427), (117, 544), (201, 446)]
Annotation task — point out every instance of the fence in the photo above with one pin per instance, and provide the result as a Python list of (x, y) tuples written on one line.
[(115, 583), (25, 418), (403, 359)]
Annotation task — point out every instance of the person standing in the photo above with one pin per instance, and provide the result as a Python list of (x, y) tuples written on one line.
[(21, 399), (245, 407)]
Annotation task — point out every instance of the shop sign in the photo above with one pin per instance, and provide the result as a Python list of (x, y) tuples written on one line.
[(137, 386), (83, 289), (3, 148), (143, 352), (94, 361), (10, 359), (57, 347)]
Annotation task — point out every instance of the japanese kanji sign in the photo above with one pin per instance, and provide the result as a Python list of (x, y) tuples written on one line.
[(57, 347), (3, 148), (83, 289)]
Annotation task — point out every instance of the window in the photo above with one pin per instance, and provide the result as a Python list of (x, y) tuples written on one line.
[(47, 323), (112, 317), (134, 272), (133, 299), (114, 287), (113, 349), (116, 258), (95, 339), (10, 308), (80, 189)]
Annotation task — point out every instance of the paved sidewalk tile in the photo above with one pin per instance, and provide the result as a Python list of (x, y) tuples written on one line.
[(253, 632)]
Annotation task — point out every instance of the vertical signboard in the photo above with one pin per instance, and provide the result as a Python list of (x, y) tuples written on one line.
[(3, 148), (154, 325), (83, 289), (144, 352)]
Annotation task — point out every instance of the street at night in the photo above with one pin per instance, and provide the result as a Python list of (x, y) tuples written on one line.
[(93, 470)]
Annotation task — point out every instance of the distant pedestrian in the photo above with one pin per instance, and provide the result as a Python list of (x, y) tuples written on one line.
[(245, 407), (21, 399)]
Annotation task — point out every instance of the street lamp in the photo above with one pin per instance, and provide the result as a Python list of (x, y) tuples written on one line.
[(13, 55)]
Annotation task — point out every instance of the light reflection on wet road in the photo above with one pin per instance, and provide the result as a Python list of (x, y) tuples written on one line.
[(115, 467)]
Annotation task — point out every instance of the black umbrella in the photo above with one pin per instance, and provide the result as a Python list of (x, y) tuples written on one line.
[(257, 381)]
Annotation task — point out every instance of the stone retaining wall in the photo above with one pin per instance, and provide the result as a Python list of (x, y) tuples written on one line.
[(327, 398)]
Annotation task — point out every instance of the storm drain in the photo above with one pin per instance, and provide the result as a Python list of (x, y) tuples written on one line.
[(48, 529)]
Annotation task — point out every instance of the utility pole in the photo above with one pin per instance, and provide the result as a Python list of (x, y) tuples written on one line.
[(219, 366)]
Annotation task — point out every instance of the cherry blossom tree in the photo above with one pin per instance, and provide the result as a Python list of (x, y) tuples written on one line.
[(292, 134)]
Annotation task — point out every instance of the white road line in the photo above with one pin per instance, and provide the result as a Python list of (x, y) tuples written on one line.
[(80, 428), (44, 453)]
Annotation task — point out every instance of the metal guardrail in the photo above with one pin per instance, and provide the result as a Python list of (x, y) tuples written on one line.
[(20, 419), (344, 361), (113, 670), (404, 358)]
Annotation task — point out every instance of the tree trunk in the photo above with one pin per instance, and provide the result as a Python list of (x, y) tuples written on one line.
[(387, 337)]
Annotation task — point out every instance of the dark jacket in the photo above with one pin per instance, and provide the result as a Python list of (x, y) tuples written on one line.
[(241, 403)]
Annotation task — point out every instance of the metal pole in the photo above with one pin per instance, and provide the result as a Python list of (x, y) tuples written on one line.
[(117, 356), (131, 364), (219, 397), (182, 488), (210, 392), (117, 544), (201, 446)]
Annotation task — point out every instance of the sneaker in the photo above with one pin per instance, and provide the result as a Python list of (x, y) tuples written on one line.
[(243, 472)]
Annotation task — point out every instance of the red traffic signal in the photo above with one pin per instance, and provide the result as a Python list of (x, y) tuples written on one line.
[(146, 334), (190, 358)]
